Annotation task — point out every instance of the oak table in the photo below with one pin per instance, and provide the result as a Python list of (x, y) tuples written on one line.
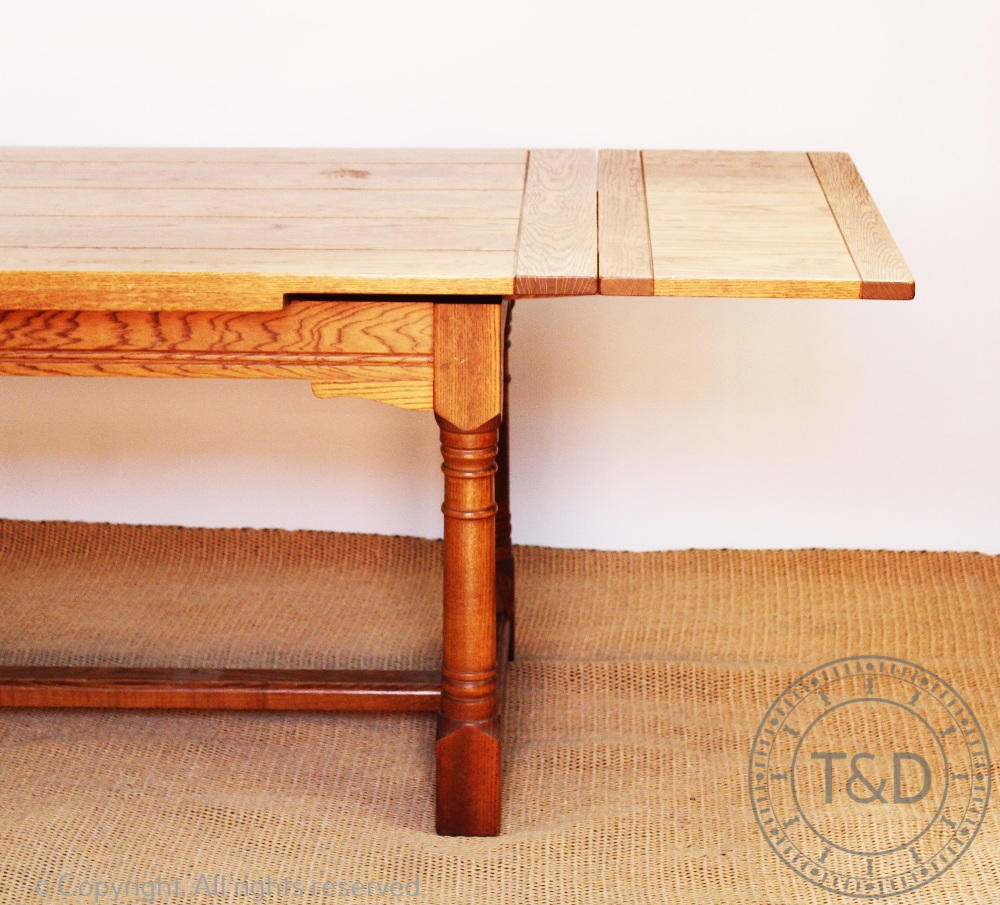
[(382, 274), (390, 275)]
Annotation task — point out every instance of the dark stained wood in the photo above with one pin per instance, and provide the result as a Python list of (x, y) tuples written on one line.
[(557, 240), (221, 689), (468, 746), (505, 644), (884, 274), (505, 552), (467, 405)]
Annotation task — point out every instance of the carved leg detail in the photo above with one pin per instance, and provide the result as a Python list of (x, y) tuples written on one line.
[(468, 741)]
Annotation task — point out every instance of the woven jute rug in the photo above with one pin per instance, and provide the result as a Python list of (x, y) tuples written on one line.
[(629, 717)]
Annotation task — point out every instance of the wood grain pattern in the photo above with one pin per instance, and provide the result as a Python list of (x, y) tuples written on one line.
[(257, 155), (219, 689), (236, 229), (257, 233), (270, 174), (262, 203), (557, 243), (713, 235), (884, 274), (318, 327), (239, 280), (407, 385), (744, 161), (624, 257), (374, 350), (181, 229), (468, 378)]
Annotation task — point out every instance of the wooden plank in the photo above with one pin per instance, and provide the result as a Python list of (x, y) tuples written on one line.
[(884, 274), (407, 383), (624, 255), (742, 160), (796, 208), (712, 179), (265, 203), (557, 243), (406, 386), (704, 284), (254, 174), (219, 689), (264, 155), (256, 233), (237, 280), (716, 236), (300, 327)]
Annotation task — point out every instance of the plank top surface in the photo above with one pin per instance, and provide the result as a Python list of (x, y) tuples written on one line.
[(236, 229), (769, 224)]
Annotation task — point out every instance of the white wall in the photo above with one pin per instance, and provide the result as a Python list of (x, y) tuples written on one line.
[(637, 423)]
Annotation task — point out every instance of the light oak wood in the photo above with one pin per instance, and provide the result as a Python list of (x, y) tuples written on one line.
[(713, 236), (252, 174), (729, 178), (626, 261), (699, 282), (263, 203), (218, 689), (257, 233), (143, 229), (770, 224), (884, 274), (407, 385), (239, 280), (257, 155), (754, 161), (557, 243), (238, 229)]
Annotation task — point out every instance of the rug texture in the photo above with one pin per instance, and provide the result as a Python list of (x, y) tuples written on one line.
[(640, 683)]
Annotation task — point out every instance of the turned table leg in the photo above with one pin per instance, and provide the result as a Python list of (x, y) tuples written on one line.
[(467, 403)]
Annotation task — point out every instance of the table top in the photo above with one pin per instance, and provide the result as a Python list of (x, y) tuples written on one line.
[(743, 224), (236, 229)]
